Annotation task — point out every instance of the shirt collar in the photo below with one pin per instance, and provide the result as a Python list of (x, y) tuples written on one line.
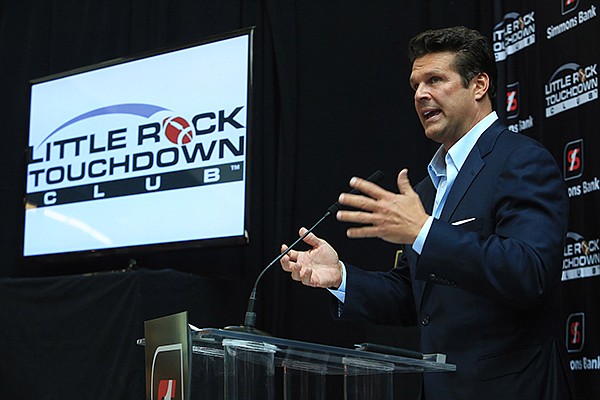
[(459, 151)]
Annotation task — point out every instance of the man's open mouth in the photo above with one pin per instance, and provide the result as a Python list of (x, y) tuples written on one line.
[(430, 114)]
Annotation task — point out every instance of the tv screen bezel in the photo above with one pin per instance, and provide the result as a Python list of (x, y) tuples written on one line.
[(134, 251)]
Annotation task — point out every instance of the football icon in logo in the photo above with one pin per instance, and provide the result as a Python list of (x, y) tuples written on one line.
[(178, 130)]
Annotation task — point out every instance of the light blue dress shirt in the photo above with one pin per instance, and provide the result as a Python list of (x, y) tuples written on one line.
[(443, 170)]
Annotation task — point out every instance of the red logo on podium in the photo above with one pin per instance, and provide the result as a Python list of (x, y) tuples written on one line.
[(166, 389)]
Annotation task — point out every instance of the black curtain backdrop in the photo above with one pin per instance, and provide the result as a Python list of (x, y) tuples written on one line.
[(331, 100), (74, 337)]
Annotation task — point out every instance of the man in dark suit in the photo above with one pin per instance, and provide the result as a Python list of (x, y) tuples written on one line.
[(483, 238)]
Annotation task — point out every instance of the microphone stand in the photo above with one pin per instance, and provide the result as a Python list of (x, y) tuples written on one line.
[(250, 317)]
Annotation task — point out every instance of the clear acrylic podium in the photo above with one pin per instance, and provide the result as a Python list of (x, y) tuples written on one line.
[(236, 365)]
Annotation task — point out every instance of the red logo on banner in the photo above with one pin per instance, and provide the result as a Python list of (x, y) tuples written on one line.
[(166, 389), (575, 332), (569, 5), (573, 161), (512, 100)]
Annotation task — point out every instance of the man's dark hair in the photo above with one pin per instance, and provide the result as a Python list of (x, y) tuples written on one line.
[(473, 52)]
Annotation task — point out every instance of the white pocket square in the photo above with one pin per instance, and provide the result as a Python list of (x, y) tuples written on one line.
[(463, 221)]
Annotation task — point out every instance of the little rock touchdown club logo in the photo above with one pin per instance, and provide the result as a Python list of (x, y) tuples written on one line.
[(581, 257), (514, 33), (570, 86), (149, 148)]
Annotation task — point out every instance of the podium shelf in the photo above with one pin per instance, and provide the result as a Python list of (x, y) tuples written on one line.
[(326, 359)]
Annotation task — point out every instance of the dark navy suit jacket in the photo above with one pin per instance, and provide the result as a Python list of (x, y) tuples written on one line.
[(485, 292)]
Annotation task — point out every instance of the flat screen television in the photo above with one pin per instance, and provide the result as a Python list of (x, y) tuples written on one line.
[(150, 150)]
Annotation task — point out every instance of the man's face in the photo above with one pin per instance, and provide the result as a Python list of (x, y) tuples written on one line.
[(446, 108)]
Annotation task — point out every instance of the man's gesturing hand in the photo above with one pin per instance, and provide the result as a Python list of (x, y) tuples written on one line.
[(395, 218), (317, 267)]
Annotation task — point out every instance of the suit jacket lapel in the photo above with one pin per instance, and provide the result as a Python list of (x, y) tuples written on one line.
[(473, 164), (426, 192)]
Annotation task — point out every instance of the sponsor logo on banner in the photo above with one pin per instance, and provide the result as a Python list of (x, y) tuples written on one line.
[(568, 5), (573, 160), (573, 21), (575, 341), (581, 257), (585, 364), (575, 332), (573, 168), (513, 102), (514, 33), (570, 86), (140, 148)]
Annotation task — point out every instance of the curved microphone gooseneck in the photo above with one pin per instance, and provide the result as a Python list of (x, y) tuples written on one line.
[(250, 317)]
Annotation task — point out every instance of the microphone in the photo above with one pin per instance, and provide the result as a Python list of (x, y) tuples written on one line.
[(250, 317)]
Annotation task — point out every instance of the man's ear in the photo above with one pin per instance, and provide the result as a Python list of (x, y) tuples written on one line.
[(481, 84)]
